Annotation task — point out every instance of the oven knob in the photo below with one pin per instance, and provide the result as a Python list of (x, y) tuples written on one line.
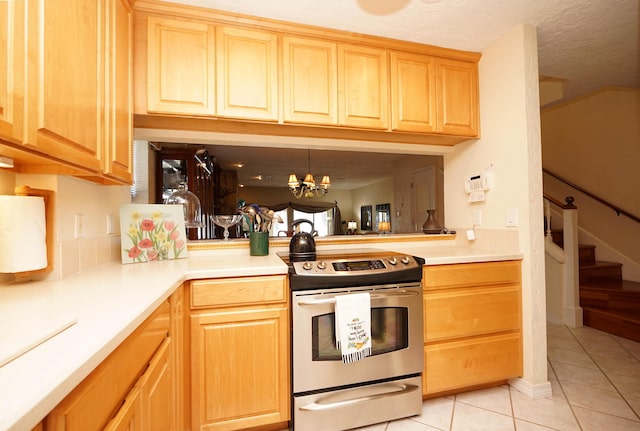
[(307, 265), (322, 264), (405, 260), (393, 261)]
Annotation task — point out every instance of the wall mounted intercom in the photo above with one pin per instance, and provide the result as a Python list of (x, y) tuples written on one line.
[(476, 185)]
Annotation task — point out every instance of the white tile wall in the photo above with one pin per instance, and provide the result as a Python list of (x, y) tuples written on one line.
[(76, 196)]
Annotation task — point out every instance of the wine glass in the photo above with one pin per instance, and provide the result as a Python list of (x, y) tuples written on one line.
[(226, 221)]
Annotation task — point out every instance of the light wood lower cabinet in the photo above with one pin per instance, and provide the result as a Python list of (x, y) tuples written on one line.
[(239, 353), (148, 405), (472, 325), (133, 389), (470, 362), (129, 415)]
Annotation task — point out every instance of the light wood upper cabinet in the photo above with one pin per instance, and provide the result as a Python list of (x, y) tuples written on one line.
[(457, 97), (247, 73), (66, 85), (119, 121), (6, 62), (180, 67), (353, 86), (363, 87), (413, 92), (11, 42), (310, 81)]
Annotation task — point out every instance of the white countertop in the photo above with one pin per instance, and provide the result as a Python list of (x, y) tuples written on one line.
[(97, 309)]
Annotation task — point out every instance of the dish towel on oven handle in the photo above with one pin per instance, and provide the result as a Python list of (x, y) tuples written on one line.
[(353, 326)]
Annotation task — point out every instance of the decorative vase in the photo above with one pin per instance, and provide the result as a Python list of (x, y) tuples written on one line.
[(259, 243), (431, 224)]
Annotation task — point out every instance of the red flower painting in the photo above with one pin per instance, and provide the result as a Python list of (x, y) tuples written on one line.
[(153, 236)]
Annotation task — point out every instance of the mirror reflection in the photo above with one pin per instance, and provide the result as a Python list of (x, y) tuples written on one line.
[(340, 192)]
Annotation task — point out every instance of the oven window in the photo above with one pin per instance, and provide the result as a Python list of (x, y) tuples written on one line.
[(389, 332)]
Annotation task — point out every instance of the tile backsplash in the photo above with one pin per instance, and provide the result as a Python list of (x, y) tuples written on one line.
[(94, 246)]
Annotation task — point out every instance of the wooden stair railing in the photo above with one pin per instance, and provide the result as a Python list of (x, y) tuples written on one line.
[(619, 211)]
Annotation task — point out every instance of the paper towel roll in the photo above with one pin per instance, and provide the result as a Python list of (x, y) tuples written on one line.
[(23, 234)]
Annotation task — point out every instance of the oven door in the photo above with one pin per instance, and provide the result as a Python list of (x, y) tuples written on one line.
[(396, 332)]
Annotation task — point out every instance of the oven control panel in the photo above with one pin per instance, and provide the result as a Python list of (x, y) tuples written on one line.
[(377, 265)]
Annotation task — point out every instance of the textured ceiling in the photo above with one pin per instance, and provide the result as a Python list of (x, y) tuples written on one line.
[(588, 43)]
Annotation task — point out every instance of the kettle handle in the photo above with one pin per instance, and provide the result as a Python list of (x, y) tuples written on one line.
[(301, 221)]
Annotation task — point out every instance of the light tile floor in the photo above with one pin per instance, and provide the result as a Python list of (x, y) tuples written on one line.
[(596, 387)]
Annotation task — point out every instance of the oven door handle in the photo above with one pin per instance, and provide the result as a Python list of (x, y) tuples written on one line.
[(401, 390), (332, 299)]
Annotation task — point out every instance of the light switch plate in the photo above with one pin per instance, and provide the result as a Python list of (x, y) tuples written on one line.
[(512, 216), (78, 231), (110, 229)]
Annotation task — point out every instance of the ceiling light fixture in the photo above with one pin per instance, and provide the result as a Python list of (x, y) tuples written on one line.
[(6, 162), (307, 187)]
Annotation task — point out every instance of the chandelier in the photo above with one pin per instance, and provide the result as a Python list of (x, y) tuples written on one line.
[(307, 188)]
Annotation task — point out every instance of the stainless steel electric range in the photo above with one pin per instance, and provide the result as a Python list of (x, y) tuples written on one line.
[(329, 395)]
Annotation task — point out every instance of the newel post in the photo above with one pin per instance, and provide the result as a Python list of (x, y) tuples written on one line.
[(572, 312)]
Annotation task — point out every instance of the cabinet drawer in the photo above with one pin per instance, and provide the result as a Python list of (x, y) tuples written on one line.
[(238, 291), (481, 360), (471, 274), (470, 312)]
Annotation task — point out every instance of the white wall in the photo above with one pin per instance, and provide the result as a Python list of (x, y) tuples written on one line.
[(510, 143), (374, 194), (599, 133)]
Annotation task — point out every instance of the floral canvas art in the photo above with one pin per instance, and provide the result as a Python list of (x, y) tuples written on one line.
[(152, 232)]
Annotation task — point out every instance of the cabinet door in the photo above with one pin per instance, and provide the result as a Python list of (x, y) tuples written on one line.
[(310, 73), (240, 373), (157, 391), (247, 73), (180, 67), (457, 97), (118, 151), (93, 402), (128, 417), (179, 353), (66, 83), (10, 43), (413, 93), (363, 87)]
